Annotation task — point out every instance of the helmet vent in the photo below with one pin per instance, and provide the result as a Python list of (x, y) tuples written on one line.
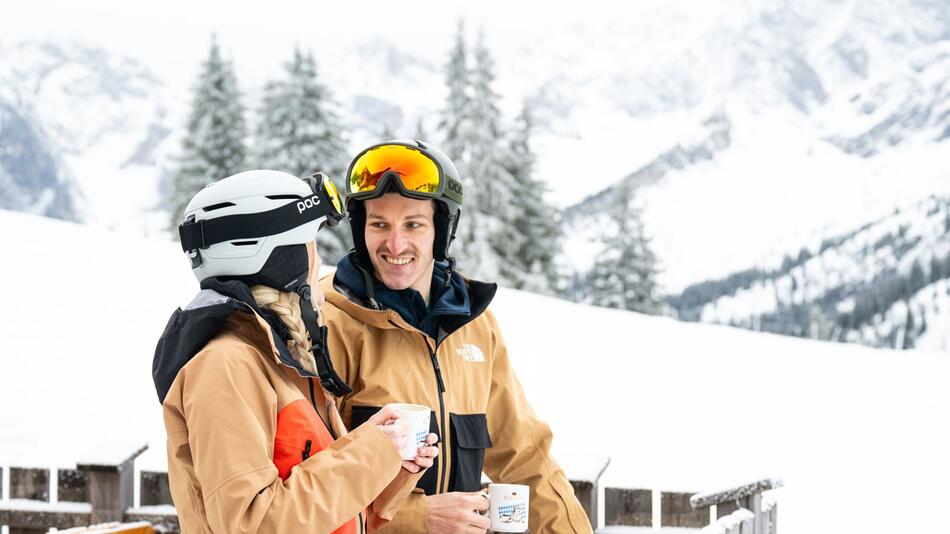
[(243, 243), (218, 206), (283, 197)]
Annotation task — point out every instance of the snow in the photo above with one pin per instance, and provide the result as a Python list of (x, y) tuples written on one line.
[(160, 509), (645, 530), (113, 452), (675, 406), (105, 528), (584, 466), (731, 521), (41, 506), (735, 493)]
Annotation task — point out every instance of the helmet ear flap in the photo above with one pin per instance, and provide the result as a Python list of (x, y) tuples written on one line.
[(445, 226), (356, 215), (285, 266)]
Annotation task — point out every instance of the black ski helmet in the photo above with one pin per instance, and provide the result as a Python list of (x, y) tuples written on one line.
[(448, 204)]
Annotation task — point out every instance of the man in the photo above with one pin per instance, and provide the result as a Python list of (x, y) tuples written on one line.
[(404, 327)]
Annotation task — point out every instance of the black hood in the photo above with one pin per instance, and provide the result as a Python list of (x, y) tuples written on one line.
[(189, 329)]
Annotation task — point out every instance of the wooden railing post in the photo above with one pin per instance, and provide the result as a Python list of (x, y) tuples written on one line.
[(111, 479), (587, 490), (752, 517)]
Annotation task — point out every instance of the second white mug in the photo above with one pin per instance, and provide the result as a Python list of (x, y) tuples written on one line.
[(508, 507)]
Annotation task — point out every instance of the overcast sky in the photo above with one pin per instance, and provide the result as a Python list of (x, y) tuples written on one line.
[(166, 34)]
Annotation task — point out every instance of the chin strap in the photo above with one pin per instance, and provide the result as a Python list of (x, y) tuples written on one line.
[(330, 380), (370, 284), (448, 272)]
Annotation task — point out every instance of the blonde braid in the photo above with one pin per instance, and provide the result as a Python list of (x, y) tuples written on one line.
[(287, 307)]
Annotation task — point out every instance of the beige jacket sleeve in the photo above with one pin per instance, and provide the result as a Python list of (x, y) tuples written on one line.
[(521, 451), (411, 518), (230, 411)]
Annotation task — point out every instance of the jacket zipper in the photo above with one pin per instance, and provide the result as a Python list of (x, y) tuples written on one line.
[(441, 385), (313, 401)]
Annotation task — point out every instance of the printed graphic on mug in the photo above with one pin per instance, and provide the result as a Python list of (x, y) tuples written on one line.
[(512, 513), (508, 507)]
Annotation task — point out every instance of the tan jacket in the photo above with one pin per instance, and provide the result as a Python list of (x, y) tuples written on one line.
[(482, 417), (249, 447)]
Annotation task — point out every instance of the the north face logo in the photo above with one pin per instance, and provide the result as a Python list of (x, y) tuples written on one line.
[(470, 353)]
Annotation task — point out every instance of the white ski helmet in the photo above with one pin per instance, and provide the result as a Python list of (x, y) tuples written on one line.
[(231, 227)]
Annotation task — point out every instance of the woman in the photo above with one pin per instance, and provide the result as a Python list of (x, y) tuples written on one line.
[(255, 443)]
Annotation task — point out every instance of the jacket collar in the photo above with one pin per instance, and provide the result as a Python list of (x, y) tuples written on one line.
[(189, 329), (346, 289)]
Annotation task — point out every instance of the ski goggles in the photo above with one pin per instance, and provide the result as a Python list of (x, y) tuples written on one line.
[(323, 187), (324, 205), (415, 173)]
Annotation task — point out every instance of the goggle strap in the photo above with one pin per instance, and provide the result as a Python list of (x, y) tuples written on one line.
[(204, 233), (329, 378)]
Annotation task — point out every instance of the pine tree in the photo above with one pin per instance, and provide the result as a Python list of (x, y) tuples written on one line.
[(213, 147), (455, 123), (936, 269), (420, 132), (624, 275), (298, 132), (487, 231), (536, 223)]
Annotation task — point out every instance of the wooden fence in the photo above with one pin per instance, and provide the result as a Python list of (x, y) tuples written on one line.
[(101, 491), (95, 492)]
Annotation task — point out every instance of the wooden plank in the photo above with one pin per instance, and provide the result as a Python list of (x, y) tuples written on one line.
[(676, 511), (586, 494), (73, 486), (166, 524), (41, 520), (29, 483), (111, 490), (628, 507), (725, 508), (154, 490)]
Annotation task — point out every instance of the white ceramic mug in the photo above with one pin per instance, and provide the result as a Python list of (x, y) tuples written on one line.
[(418, 418), (508, 507)]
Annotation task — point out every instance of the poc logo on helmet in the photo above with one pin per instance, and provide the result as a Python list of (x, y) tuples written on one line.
[(307, 203)]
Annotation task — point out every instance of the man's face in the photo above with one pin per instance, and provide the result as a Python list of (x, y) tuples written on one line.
[(399, 235)]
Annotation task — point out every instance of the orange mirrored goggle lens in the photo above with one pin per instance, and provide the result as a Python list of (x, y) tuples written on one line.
[(417, 172)]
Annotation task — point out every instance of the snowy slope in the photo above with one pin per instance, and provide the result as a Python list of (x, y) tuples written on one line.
[(675, 405), (846, 287)]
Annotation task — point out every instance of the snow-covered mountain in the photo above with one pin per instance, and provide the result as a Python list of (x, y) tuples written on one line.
[(813, 120), (749, 129), (95, 132), (791, 120), (883, 284)]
